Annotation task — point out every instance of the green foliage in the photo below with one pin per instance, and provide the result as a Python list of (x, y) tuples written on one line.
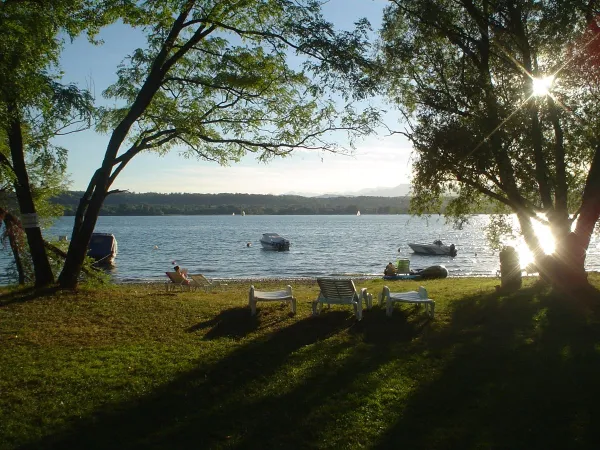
[(461, 72), (35, 107), (226, 86)]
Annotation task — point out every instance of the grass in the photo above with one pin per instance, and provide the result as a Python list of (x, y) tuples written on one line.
[(137, 367)]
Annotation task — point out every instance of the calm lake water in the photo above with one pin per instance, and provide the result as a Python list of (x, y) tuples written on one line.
[(320, 245)]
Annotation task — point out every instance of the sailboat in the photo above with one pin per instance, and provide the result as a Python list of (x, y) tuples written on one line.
[(358, 213), (243, 213)]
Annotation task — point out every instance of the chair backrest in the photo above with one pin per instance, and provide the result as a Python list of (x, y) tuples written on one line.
[(422, 292), (201, 279), (175, 277), (337, 288)]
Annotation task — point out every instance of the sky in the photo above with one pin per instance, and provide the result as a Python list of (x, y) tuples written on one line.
[(380, 160)]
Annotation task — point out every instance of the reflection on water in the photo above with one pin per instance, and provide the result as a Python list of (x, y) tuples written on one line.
[(320, 245)]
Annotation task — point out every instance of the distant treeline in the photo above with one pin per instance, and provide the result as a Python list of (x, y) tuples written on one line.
[(154, 204)]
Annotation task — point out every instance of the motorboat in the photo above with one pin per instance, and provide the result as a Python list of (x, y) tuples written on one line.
[(272, 241), (103, 248), (437, 248)]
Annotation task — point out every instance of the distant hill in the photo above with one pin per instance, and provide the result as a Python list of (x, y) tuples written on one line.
[(401, 190), (151, 204), (397, 191)]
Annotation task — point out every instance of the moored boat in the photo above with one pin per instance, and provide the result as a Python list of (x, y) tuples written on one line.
[(103, 248), (272, 241), (437, 248), (428, 273)]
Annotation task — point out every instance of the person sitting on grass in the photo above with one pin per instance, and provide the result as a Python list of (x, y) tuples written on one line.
[(390, 270), (183, 274)]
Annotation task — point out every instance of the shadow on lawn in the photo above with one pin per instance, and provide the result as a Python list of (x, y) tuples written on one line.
[(516, 371), (222, 404), (233, 322), (23, 295), (523, 375)]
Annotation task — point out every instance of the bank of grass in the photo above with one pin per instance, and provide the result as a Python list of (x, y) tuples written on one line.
[(137, 367)]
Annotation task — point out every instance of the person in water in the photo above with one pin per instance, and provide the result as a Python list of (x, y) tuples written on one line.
[(390, 270)]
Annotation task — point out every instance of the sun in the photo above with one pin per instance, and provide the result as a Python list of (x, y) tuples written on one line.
[(541, 86)]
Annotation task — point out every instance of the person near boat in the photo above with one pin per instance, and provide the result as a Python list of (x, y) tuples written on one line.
[(390, 270)]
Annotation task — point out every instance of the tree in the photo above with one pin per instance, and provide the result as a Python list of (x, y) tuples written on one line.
[(215, 81), (34, 107), (465, 75)]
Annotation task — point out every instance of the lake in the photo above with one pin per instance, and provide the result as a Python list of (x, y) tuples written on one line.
[(320, 245)]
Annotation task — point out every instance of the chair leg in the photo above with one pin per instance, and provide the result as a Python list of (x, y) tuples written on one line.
[(252, 307), (385, 293), (293, 305), (389, 307), (358, 309), (314, 308)]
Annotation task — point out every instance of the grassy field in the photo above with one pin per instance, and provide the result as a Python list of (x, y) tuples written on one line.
[(139, 367)]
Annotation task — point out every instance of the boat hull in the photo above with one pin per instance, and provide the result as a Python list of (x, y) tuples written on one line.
[(274, 242), (432, 249), (275, 246), (429, 273), (103, 248)]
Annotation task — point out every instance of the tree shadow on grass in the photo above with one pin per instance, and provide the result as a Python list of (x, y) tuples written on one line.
[(511, 371), (404, 325), (26, 294), (233, 323), (238, 322), (522, 374), (219, 403)]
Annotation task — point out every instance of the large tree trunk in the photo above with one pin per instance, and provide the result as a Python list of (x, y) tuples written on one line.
[(91, 203), (80, 240), (566, 269), (41, 265)]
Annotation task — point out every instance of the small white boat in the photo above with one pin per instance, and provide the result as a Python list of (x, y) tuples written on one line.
[(437, 248), (358, 213), (272, 241)]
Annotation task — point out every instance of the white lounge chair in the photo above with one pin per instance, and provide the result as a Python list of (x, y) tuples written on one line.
[(285, 295), (177, 280), (201, 282), (419, 297), (341, 291)]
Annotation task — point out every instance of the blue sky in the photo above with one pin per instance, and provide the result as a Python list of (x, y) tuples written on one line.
[(379, 161)]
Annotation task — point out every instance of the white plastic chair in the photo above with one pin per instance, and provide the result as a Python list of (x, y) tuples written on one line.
[(341, 291), (419, 297), (285, 295), (201, 282)]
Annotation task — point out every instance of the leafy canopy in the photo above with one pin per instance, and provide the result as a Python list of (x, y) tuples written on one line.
[(235, 77), (462, 73)]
